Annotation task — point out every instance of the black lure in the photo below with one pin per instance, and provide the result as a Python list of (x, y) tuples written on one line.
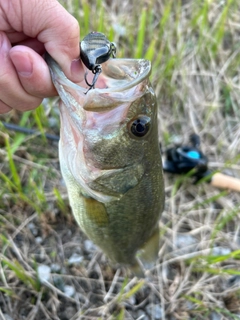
[(96, 49)]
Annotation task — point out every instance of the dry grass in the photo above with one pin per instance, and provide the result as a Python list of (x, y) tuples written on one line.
[(194, 47)]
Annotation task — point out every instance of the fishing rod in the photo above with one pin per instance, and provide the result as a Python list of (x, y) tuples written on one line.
[(186, 158), (16, 128)]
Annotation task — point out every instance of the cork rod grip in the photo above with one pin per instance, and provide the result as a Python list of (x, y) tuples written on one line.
[(223, 181)]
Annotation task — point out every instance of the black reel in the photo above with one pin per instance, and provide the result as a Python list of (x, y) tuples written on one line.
[(182, 159), (96, 49)]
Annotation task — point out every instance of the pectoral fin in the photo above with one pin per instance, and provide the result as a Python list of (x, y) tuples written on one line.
[(118, 181)]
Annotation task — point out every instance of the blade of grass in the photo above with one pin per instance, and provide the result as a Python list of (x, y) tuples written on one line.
[(22, 274), (222, 221), (61, 204), (76, 9), (12, 166), (219, 29), (217, 271), (16, 194), (120, 315), (134, 289), (25, 118), (86, 17), (39, 116), (17, 140), (141, 34), (100, 11)]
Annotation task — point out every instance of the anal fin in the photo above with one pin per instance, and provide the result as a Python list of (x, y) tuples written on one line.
[(148, 254)]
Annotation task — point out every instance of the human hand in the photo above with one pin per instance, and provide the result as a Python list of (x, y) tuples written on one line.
[(28, 28)]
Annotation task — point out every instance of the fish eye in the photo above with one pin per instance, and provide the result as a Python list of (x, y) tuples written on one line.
[(140, 126)]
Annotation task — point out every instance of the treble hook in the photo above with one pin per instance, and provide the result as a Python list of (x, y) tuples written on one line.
[(96, 72)]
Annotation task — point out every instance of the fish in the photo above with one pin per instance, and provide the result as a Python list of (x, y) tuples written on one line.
[(110, 160)]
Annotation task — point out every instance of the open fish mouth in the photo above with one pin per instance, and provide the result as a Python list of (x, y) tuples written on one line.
[(114, 84), (119, 74)]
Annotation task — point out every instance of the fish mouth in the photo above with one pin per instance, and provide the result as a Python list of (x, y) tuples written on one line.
[(117, 83), (119, 74)]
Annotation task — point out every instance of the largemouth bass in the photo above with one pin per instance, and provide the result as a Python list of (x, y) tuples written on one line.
[(110, 159)]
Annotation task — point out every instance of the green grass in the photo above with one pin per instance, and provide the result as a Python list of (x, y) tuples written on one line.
[(194, 49)]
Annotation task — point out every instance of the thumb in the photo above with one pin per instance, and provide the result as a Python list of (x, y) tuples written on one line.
[(59, 31)]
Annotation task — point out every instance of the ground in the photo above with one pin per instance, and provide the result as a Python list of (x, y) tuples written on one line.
[(49, 269)]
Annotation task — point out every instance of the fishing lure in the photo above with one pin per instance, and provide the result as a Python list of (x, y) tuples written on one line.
[(96, 49)]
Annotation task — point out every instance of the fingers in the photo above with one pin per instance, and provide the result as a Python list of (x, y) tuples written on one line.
[(60, 33), (32, 71), (49, 23), (24, 77)]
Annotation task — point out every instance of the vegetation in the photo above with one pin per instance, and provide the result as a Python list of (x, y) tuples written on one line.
[(194, 47)]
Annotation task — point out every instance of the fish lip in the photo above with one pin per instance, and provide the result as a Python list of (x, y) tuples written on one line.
[(58, 75)]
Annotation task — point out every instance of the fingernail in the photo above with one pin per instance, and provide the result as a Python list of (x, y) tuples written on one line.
[(77, 70), (22, 63), (4, 45), (1, 40)]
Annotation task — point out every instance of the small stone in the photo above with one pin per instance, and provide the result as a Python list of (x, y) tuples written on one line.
[(69, 291), (44, 273), (7, 317), (56, 268), (39, 240), (185, 243), (58, 282), (189, 305), (215, 316), (157, 312), (221, 251), (184, 240), (75, 259), (89, 246), (33, 228)]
